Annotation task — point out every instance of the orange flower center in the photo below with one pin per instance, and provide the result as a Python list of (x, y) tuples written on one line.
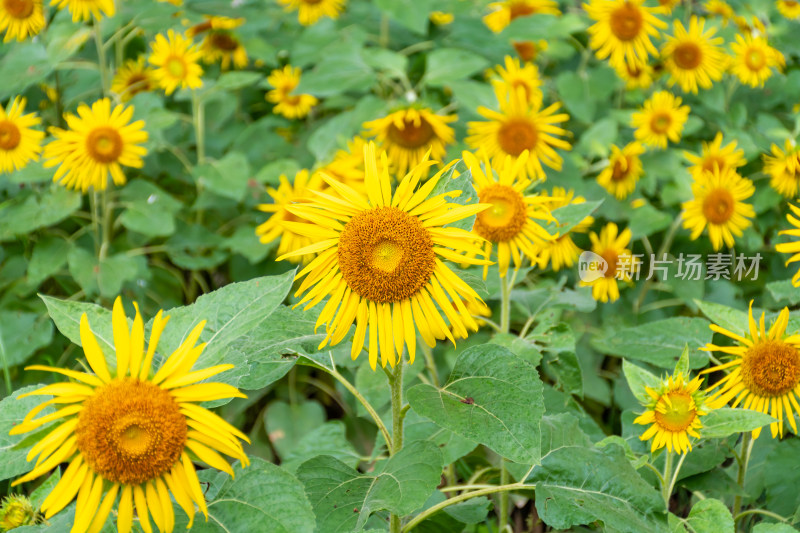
[(675, 411), (10, 135), (718, 206), (520, 9), (771, 368), (137, 83), (612, 258), (626, 22), (621, 170), (660, 122), (516, 136), (526, 50), (104, 144), (687, 56), (18, 9), (412, 135), (505, 219), (176, 67), (223, 41), (755, 59)]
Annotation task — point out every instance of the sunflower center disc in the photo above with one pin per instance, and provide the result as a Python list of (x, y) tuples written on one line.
[(505, 219), (18, 9), (754, 59), (385, 255), (411, 136), (611, 257), (10, 135), (224, 41), (621, 169), (688, 56), (660, 122), (626, 22), (718, 206), (516, 136), (176, 67), (675, 411), (771, 368), (131, 431), (104, 144), (520, 9)]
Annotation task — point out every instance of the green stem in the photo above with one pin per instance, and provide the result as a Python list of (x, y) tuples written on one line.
[(107, 212), (95, 221), (198, 121), (101, 57), (6, 370), (504, 504), (744, 458), (398, 414), (368, 406), (665, 488), (505, 302), (431, 364), (674, 479), (761, 512), (383, 38)]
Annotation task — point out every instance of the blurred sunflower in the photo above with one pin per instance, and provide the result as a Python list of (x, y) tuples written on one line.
[(719, 204), (510, 224), (623, 171), (693, 57), (517, 127), (660, 119), (291, 106), (175, 59), (220, 43), (788, 8), (502, 13), (721, 9), (310, 11), (20, 143), (407, 134), (529, 50), (792, 247), (21, 19), (674, 411), (753, 60), (130, 434), (562, 251), (86, 9), (509, 79), (713, 154), (620, 263), (132, 78), (668, 5), (764, 374), (99, 142), (637, 76), (783, 167), (288, 194), (622, 30), (380, 261), (347, 165)]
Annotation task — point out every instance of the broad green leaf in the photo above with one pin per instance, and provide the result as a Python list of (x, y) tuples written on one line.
[(231, 81), (67, 317), (287, 424), (577, 95), (105, 276), (493, 397), (148, 209), (13, 449), (24, 64), (710, 516), (639, 378), (23, 214), (571, 215), (226, 177), (729, 318), (763, 527), (413, 14), (780, 478), (784, 291), (647, 220), (21, 334), (326, 439), (343, 499), (452, 445), (445, 65), (49, 256), (467, 195), (719, 423), (682, 366), (343, 69), (337, 131)]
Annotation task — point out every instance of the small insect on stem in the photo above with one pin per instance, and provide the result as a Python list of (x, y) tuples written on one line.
[(468, 400)]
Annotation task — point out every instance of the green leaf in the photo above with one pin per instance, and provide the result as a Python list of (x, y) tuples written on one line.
[(343, 69), (729, 318), (710, 516), (773, 528), (413, 14), (66, 315), (49, 255), (638, 378), (577, 96), (571, 215), (343, 499), (14, 449), (463, 185), (445, 65), (226, 177), (24, 64), (647, 220), (452, 446), (24, 214), (232, 81), (21, 334), (287, 424), (682, 366), (780, 478), (149, 210), (493, 397), (784, 291), (341, 128), (327, 439), (719, 423)]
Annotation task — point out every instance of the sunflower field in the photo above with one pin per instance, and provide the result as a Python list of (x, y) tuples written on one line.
[(448, 266)]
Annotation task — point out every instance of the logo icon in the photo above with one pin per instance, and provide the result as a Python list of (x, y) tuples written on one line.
[(591, 267)]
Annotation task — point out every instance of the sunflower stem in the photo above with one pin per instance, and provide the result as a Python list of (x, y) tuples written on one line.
[(502, 520), (106, 210), (506, 285), (198, 121), (744, 458), (665, 485), (675, 474), (95, 221), (101, 57), (398, 414)]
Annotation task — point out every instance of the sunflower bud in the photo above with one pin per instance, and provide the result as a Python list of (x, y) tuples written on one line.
[(17, 511)]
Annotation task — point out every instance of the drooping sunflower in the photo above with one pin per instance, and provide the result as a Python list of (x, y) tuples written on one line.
[(792, 247), (764, 374), (713, 154), (514, 76), (99, 142), (20, 143), (517, 127), (291, 106), (754, 59), (636, 76), (674, 411), (788, 8), (721, 9), (623, 30), (285, 195), (132, 78), (612, 246), (623, 171), (408, 134), (562, 251), (86, 9), (694, 57), (310, 11), (175, 59), (127, 432), (220, 43), (783, 167), (660, 119), (719, 203), (381, 262), (20, 19)]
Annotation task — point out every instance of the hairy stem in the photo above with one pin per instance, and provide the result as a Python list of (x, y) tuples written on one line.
[(744, 458)]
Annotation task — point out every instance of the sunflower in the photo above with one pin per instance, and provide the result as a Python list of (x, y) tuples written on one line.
[(622, 30), (381, 262), (529, 50), (636, 76), (289, 105), (788, 8), (674, 411), (783, 168), (85, 9), (661, 118), (623, 171), (214, 22), (517, 127), (407, 134), (719, 204), (99, 141), (513, 77), (21, 19), (502, 13), (440, 18), (221, 44), (176, 61), (713, 154), (19, 142), (131, 434), (721, 9), (753, 60), (562, 251), (668, 5), (693, 57), (792, 247), (764, 372), (310, 11), (620, 263), (285, 195), (132, 78)]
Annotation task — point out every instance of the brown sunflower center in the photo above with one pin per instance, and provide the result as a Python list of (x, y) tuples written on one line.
[(612, 258), (175, 67), (520, 9), (633, 71), (311, 2), (224, 41), (131, 431), (137, 83), (675, 411), (385, 255), (516, 136), (526, 50), (10, 136), (412, 135), (18, 9), (626, 22), (621, 170), (754, 59), (505, 219), (687, 56), (771, 368), (104, 144), (718, 206), (660, 122)]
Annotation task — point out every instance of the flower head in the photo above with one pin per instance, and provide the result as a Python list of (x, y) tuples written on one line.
[(513, 77), (86, 9), (19, 141), (693, 56), (636, 76), (132, 78), (17, 511), (783, 168), (623, 30), (310, 11), (713, 154), (291, 106), (754, 59), (502, 13), (175, 59), (661, 118), (623, 171), (792, 247), (620, 264), (562, 251), (21, 19), (788, 8)]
